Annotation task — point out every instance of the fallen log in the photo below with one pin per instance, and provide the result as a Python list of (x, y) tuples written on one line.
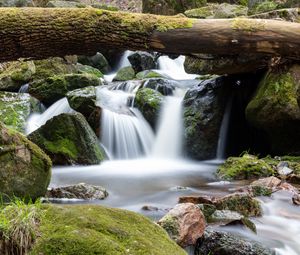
[(46, 32)]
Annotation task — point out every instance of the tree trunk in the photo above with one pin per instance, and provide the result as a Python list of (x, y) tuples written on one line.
[(42, 33)]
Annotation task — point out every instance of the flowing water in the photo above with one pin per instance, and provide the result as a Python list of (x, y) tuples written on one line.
[(148, 168)]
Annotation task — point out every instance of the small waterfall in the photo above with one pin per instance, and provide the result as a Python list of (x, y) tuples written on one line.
[(24, 88), (124, 131), (36, 120), (221, 149), (168, 142)]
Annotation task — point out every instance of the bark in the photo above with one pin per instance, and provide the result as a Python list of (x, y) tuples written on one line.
[(41, 33)]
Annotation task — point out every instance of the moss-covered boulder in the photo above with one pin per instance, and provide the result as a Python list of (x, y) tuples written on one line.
[(245, 167), (275, 109), (84, 101), (203, 108), (125, 74), (85, 69), (164, 86), (53, 88), (149, 101), (15, 108), (25, 170), (68, 139), (14, 74), (217, 11), (148, 74), (170, 7), (90, 229), (97, 61)]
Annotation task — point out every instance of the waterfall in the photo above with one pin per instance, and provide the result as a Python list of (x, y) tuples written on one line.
[(36, 119), (221, 149), (24, 88), (124, 131)]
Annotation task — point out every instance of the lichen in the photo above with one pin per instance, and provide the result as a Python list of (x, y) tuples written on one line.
[(247, 25)]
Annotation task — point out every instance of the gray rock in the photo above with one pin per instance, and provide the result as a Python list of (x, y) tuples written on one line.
[(141, 61)]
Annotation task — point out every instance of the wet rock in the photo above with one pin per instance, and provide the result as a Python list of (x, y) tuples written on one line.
[(25, 170), (56, 87), (15, 74), (84, 69), (185, 223), (284, 170), (164, 86), (148, 74), (197, 199), (296, 199), (84, 101), (294, 178), (141, 61), (97, 61), (274, 109), (218, 242), (203, 108), (149, 102), (78, 191), (269, 182), (125, 74), (68, 139), (15, 108), (207, 210), (150, 208), (245, 167), (288, 187)]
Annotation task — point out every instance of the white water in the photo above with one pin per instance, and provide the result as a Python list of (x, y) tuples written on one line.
[(221, 149), (24, 88), (36, 119)]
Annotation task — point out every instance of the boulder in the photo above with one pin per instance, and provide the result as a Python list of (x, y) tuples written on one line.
[(78, 191), (93, 229), (25, 170), (203, 108), (97, 61), (141, 61), (275, 109), (265, 186), (125, 74), (148, 74), (15, 108), (68, 139), (185, 224), (84, 69), (14, 74), (84, 101), (245, 167), (164, 86), (53, 88), (149, 101), (218, 242)]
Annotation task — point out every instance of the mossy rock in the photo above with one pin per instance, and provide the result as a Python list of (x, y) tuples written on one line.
[(149, 101), (25, 170), (68, 139), (65, 4), (125, 74), (264, 6), (97, 61), (53, 88), (91, 229), (245, 167), (218, 11), (275, 109), (15, 74), (85, 69), (15, 108), (148, 74)]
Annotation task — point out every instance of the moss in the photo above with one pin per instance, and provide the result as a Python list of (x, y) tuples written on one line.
[(63, 146), (264, 6), (85, 69), (88, 229), (261, 191), (148, 75), (245, 167), (125, 74), (247, 25)]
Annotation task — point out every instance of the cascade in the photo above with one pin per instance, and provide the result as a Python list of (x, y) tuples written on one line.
[(24, 88), (36, 119)]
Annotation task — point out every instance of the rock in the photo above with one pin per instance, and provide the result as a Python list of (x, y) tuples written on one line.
[(15, 74), (170, 7), (149, 102), (203, 108), (68, 139), (25, 170), (218, 242), (150, 208), (56, 87), (92, 229), (217, 11), (288, 187), (291, 15), (185, 223), (78, 191), (148, 74), (271, 183), (207, 210), (65, 4), (15, 108), (164, 86), (197, 199), (239, 202), (275, 110), (83, 69), (141, 61), (125, 74), (14, 3), (294, 178), (296, 199), (285, 171), (97, 61), (84, 101), (245, 167)]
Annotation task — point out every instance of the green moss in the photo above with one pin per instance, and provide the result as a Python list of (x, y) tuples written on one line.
[(85, 69), (245, 167), (247, 25), (171, 225), (62, 146), (261, 191), (265, 6), (148, 75), (125, 74), (88, 229)]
